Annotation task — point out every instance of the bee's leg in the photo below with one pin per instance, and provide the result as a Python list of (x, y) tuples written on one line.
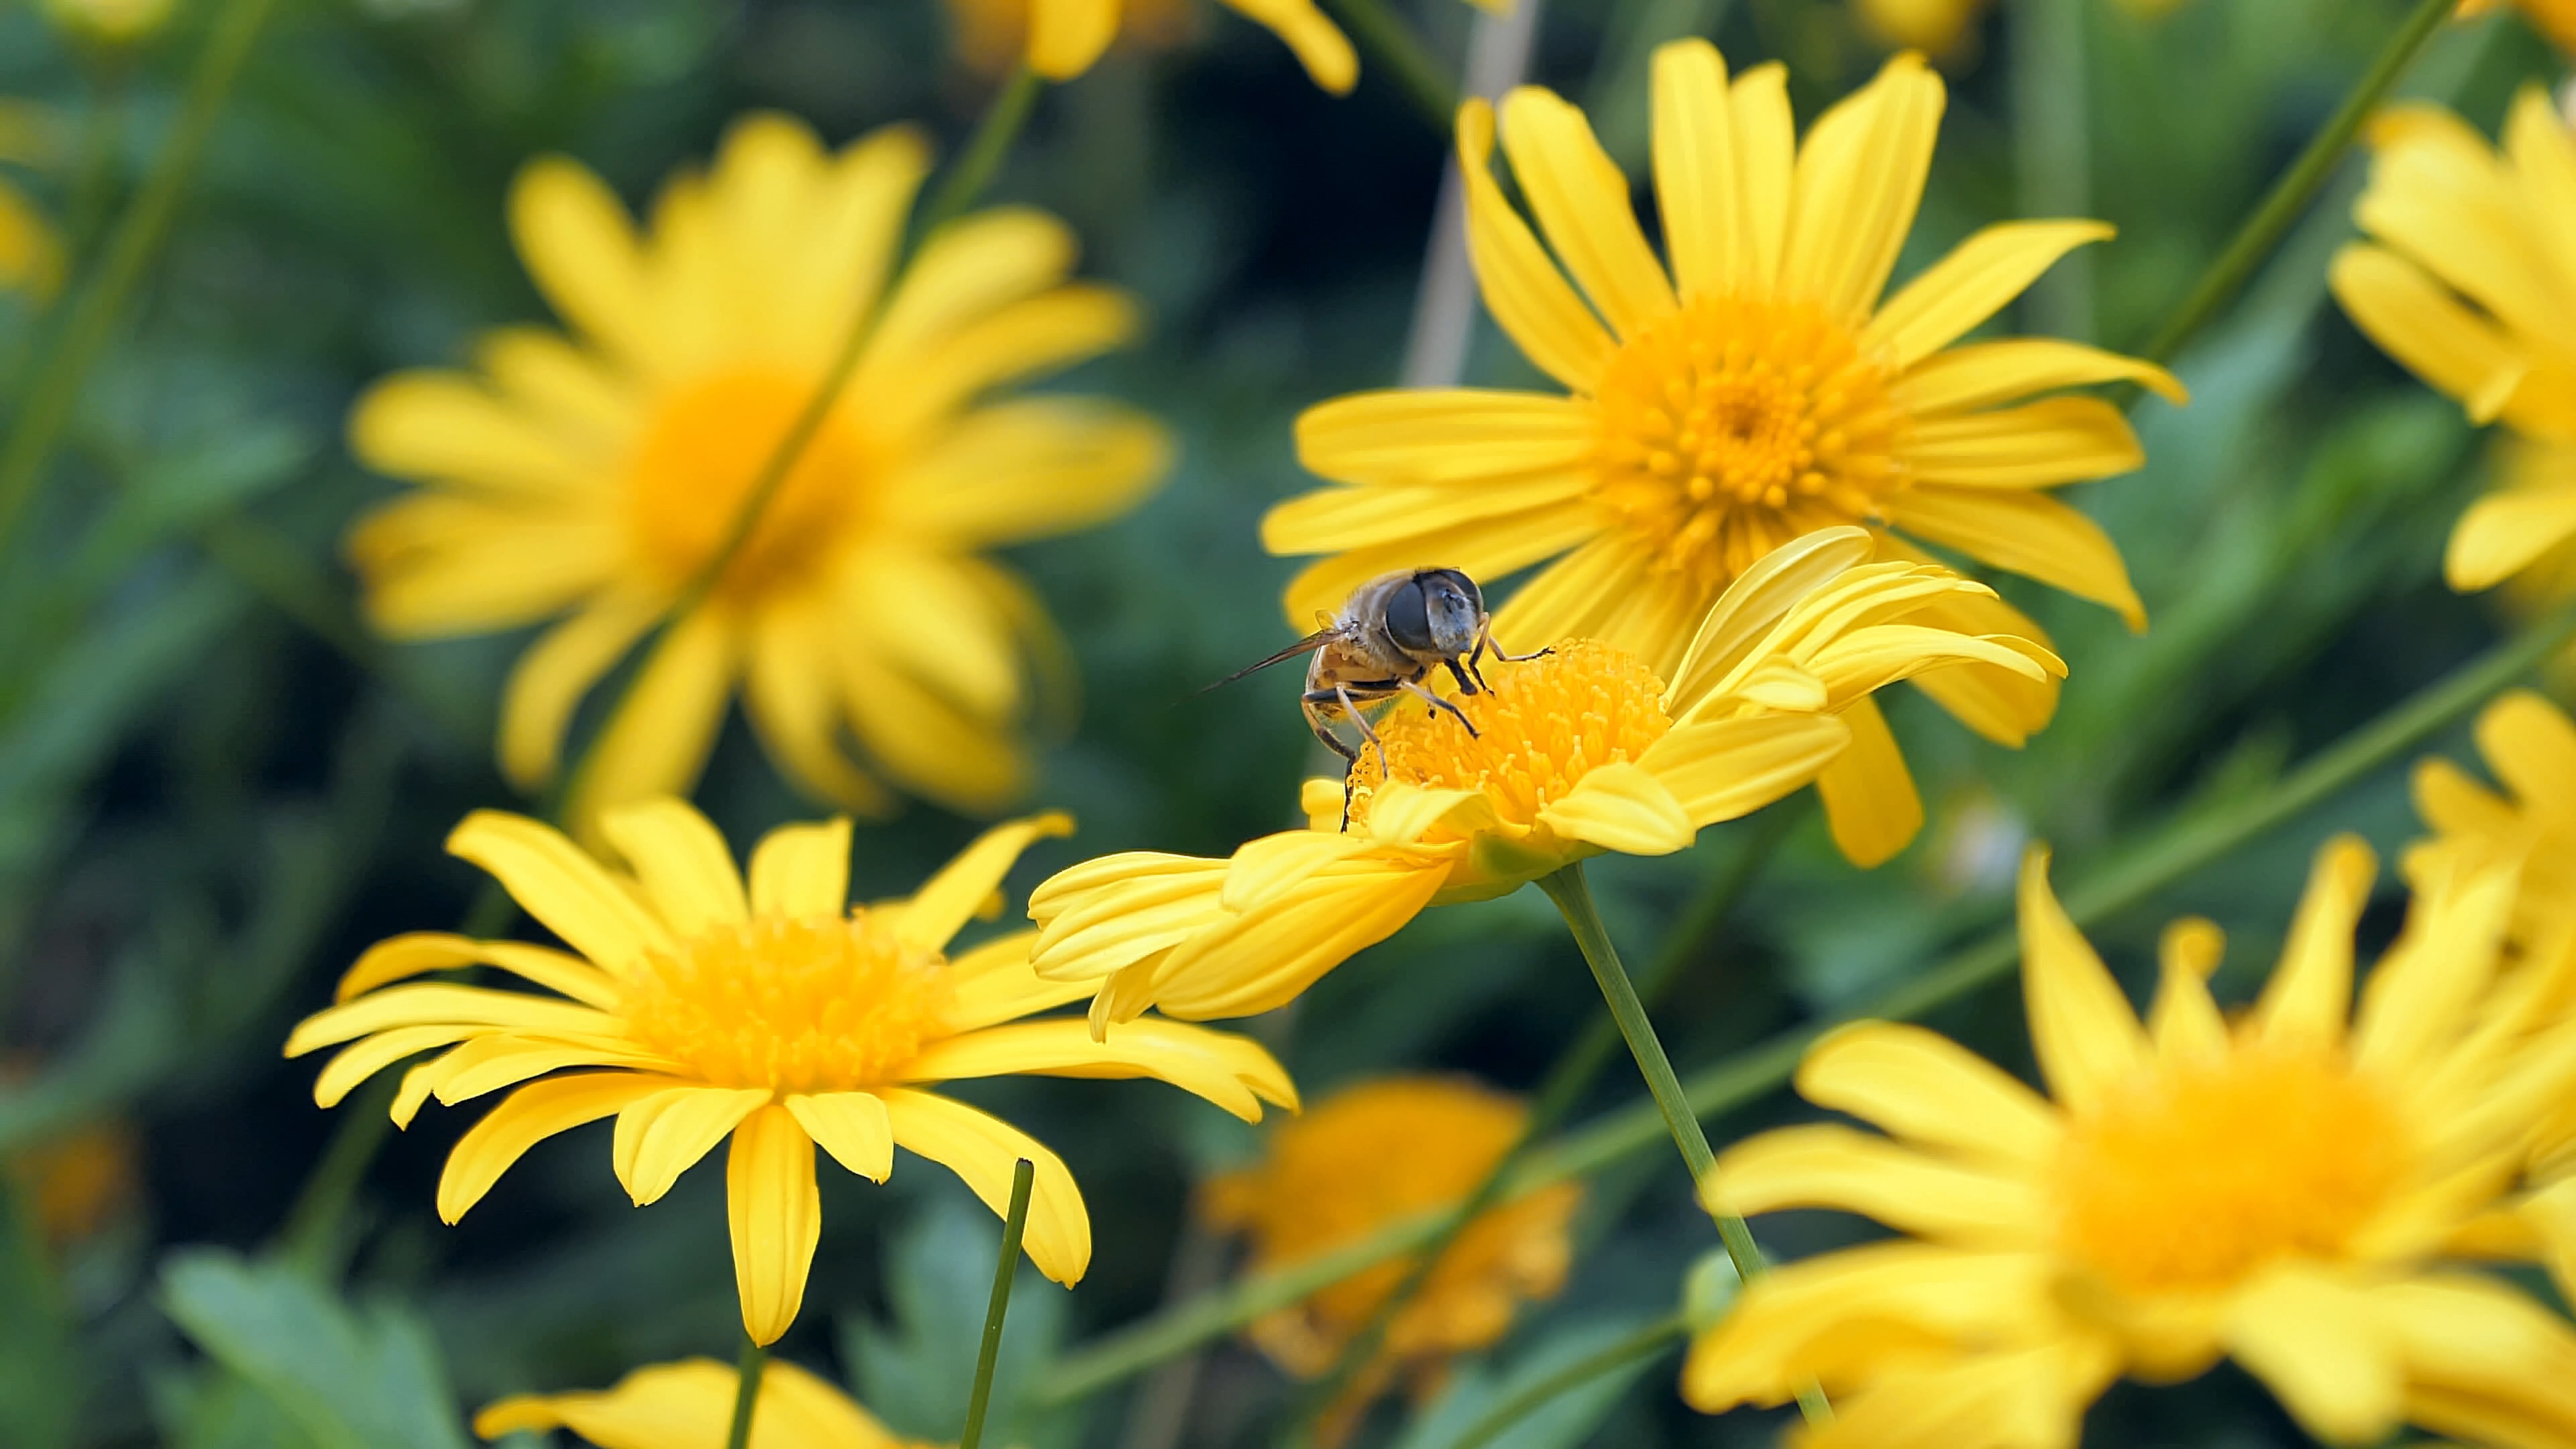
[(1414, 687), (1488, 638), (1378, 688), (1312, 702), (1466, 684)]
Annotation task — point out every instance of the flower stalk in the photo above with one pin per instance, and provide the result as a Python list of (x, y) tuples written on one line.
[(1014, 1227), (746, 1392)]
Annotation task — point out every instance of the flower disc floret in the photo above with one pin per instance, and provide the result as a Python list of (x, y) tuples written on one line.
[(816, 1005), (696, 459), (2191, 1178), (1544, 725), (1736, 424)]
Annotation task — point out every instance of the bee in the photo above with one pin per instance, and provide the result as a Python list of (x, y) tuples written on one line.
[(1390, 635)]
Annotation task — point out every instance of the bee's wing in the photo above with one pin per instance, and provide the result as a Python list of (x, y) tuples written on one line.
[(1307, 645)]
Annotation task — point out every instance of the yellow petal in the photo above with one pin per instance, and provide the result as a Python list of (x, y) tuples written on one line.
[(2184, 1020), (1975, 281), (658, 740), (1858, 181), (776, 1217), (1581, 199), (1487, 549), (2531, 746), (802, 870), (928, 620), (1029, 468), (2460, 215), (789, 692), (1319, 45), (492, 1061), (1522, 288), (560, 885), (1263, 869), (438, 564), (922, 739), (2087, 1039), (369, 1055), (1866, 660), (2309, 998), (1037, 335), (581, 395), (1982, 374), (2424, 989), (1234, 1072), (2317, 1344), (525, 1118), (972, 268), (2421, 324), (663, 1135), (948, 900), (548, 682), (580, 249), (2032, 535), (1869, 796), (2037, 445), (427, 1005), (1826, 1166), (685, 865), (1623, 807), (439, 426), (852, 1126), (1924, 1087), (1440, 435), (1695, 166), (982, 1151), (2483, 1360), (2505, 532), (1066, 36), (1107, 914), (1259, 960), (2005, 706), (400, 957), (1765, 156), (1721, 769), (1755, 602)]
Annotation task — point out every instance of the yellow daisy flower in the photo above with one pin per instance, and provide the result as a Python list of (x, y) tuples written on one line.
[(1066, 36), (2555, 19), (1370, 1155), (1577, 752), (1759, 392), (2467, 280), (692, 1010), (2280, 1189), (2530, 746), (597, 473), (689, 1405)]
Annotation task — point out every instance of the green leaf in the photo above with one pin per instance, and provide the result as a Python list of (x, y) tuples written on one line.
[(350, 1377), (1561, 1422)]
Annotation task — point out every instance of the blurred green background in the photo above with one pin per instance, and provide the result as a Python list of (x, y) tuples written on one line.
[(215, 789)]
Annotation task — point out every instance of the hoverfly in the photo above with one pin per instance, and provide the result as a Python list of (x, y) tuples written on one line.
[(1390, 635)]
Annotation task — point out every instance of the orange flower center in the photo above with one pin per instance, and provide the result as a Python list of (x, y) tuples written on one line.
[(2197, 1175), (1737, 424), (822, 1004), (1545, 724), (693, 471)]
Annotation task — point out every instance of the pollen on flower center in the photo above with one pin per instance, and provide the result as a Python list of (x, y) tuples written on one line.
[(2198, 1175), (701, 450), (818, 1004), (1737, 424), (1544, 724)]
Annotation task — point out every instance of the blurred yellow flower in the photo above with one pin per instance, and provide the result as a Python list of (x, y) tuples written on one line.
[(2530, 746), (2280, 1189), (74, 1182), (2470, 280), (1577, 752), (689, 1405), (599, 473), (109, 22), (1937, 27), (781, 1017), (1759, 393), (1066, 36), (1361, 1159), (2553, 18)]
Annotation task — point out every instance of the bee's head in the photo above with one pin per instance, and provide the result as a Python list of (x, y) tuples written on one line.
[(1437, 611)]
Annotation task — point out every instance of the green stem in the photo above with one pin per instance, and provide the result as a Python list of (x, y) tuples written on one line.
[(1557, 1093), (2125, 882), (1573, 897), (1015, 1226), (1390, 44), (140, 231), (746, 1392), (1645, 1343), (2298, 186), (975, 166)]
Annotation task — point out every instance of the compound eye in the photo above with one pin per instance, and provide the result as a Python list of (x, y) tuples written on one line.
[(1464, 586), (1408, 621)]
